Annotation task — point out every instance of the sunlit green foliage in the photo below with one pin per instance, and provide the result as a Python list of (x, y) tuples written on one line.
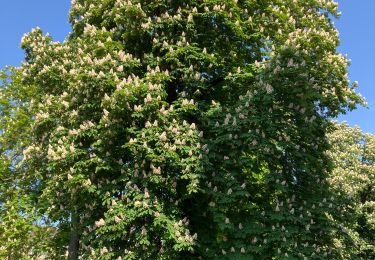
[(185, 129), (353, 180)]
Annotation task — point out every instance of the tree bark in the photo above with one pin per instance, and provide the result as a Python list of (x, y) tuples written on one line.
[(74, 238)]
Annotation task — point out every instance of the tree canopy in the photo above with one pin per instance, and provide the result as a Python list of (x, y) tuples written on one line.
[(353, 180), (181, 130)]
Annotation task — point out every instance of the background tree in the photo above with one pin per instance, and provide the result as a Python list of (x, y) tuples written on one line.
[(23, 232), (188, 129), (353, 179)]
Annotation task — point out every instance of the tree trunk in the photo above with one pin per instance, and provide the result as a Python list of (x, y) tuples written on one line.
[(74, 238)]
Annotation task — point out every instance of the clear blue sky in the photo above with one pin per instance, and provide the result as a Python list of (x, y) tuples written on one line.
[(20, 16), (357, 34), (356, 28)]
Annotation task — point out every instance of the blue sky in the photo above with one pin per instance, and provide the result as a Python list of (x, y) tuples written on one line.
[(357, 34), (356, 27), (20, 16)]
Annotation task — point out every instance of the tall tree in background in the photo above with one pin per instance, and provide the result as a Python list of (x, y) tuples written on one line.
[(188, 129), (23, 232), (353, 180)]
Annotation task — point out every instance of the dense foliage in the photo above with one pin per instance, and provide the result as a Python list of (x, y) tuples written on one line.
[(20, 235), (353, 179), (178, 130)]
